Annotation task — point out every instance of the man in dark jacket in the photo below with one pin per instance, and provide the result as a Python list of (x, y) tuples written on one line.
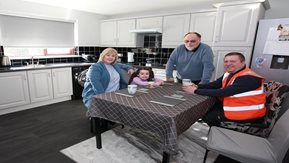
[(240, 92)]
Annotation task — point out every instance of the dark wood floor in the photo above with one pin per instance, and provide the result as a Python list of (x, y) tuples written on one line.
[(37, 135)]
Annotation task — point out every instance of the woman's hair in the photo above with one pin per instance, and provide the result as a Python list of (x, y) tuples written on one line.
[(108, 51), (135, 74)]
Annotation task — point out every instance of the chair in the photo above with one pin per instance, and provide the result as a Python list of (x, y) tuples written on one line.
[(244, 147)]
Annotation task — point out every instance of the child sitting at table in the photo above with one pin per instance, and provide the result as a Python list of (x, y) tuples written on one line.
[(143, 76)]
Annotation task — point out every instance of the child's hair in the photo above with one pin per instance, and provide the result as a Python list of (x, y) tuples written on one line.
[(135, 74)]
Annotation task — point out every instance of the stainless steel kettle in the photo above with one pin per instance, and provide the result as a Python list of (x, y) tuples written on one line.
[(6, 61)]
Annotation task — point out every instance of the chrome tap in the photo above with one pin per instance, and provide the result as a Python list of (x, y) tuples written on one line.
[(32, 61)]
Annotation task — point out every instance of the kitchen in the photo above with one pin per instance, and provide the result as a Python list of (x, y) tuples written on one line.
[(93, 28)]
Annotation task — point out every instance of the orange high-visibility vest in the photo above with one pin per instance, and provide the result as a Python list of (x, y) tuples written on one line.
[(247, 105)]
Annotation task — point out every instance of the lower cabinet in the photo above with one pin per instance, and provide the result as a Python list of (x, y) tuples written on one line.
[(14, 89), (62, 84), (49, 83), (40, 85), (27, 89)]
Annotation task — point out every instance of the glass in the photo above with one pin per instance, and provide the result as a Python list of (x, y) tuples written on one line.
[(132, 89), (150, 84), (187, 82)]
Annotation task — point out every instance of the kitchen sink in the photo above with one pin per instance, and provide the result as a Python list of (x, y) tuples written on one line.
[(27, 67), (35, 66), (53, 65)]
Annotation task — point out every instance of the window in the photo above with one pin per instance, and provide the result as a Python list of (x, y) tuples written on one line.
[(22, 36), (26, 52)]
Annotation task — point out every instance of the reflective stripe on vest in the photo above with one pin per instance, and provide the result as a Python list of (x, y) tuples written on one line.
[(250, 93), (244, 108)]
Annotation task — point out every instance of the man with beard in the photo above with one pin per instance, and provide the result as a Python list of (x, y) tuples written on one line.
[(193, 60)]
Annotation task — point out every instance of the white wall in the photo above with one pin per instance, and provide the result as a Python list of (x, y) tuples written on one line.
[(88, 24), (279, 9)]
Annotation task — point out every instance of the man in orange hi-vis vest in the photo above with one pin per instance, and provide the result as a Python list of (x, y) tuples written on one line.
[(240, 92)]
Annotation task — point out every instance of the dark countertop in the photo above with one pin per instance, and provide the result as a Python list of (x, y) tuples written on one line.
[(57, 65), (42, 66)]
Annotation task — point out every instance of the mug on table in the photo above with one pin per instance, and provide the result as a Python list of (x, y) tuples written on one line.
[(187, 82), (131, 88)]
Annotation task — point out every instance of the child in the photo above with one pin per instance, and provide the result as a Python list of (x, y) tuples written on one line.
[(143, 76)]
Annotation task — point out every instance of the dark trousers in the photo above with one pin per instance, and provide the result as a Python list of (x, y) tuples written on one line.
[(215, 116), (195, 82)]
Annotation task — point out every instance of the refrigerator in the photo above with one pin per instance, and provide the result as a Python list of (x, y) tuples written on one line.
[(270, 57)]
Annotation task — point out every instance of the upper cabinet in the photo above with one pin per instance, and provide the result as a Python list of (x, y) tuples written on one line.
[(108, 34), (236, 25), (116, 33), (204, 23), (174, 29), (151, 22)]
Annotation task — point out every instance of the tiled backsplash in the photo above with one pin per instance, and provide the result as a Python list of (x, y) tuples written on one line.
[(156, 56), (1, 51), (153, 55)]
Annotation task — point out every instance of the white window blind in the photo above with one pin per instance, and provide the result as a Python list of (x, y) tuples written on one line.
[(30, 32)]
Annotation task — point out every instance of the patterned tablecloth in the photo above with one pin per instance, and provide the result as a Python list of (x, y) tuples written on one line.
[(138, 112)]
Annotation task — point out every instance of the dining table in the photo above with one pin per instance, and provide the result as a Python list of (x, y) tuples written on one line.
[(166, 111)]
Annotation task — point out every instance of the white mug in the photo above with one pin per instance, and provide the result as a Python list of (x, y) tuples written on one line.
[(187, 82), (131, 88)]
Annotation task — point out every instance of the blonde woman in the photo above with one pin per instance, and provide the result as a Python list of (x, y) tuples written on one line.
[(105, 76)]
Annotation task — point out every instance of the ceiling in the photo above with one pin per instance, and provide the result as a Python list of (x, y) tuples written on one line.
[(115, 7)]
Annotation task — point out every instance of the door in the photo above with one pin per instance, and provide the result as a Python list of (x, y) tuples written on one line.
[(174, 29), (40, 85), (204, 23), (236, 25), (108, 36), (62, 82), (124, 37), (14, 89), (152, 22)]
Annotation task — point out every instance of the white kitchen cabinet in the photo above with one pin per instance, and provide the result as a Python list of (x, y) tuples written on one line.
[(14, 89), (62, 84), (204, 23), (236, 25), (49, 83), (108, 34), (150, 22), (40, 85), (116, 33), (174, 29), (220, 52)]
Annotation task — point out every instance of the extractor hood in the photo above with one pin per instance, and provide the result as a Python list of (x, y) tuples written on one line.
[(150, 30)]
